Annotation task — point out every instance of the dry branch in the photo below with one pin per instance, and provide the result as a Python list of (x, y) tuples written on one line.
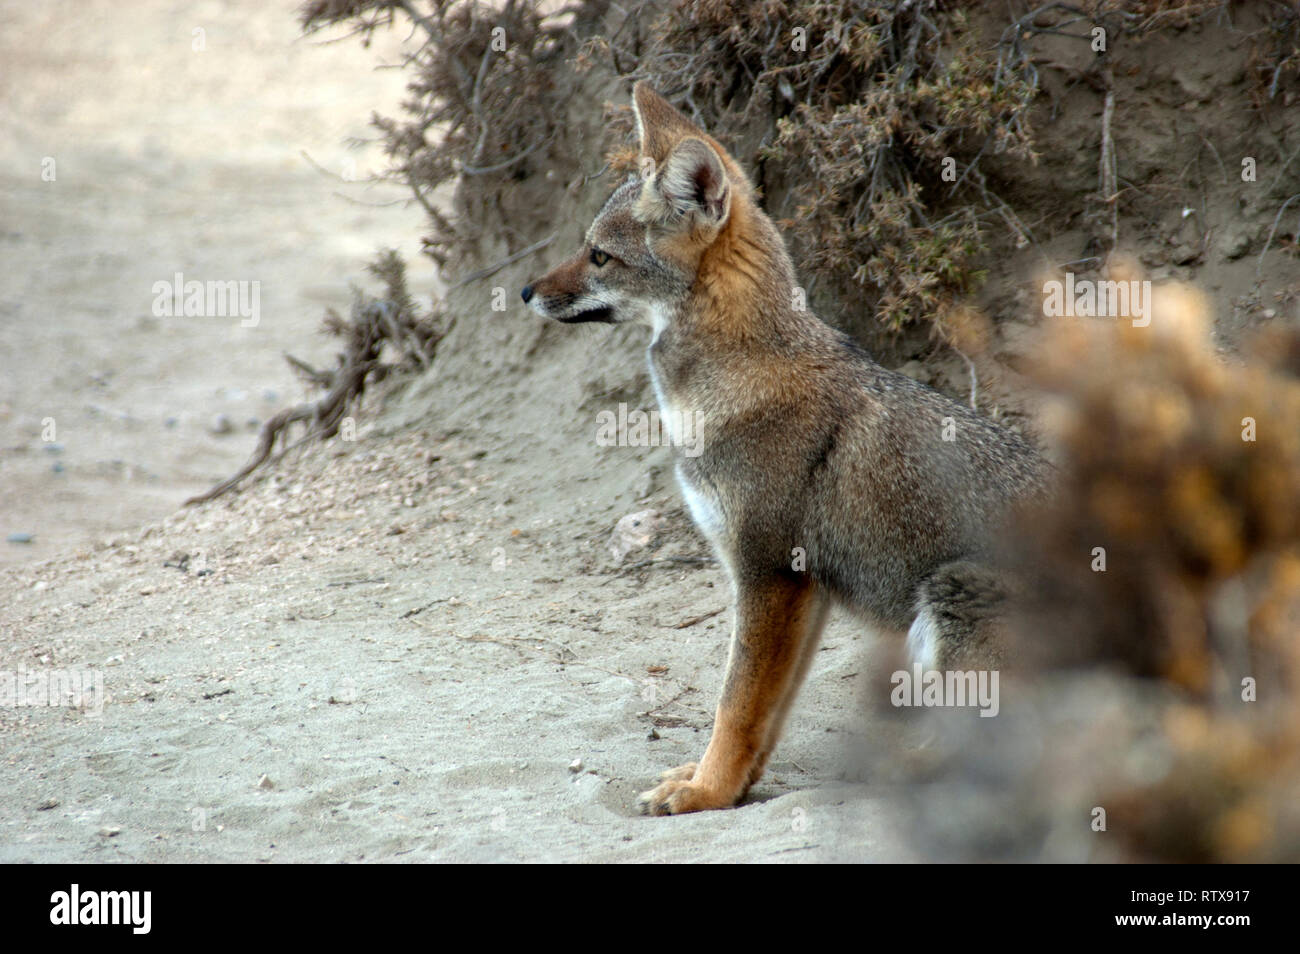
[(373, 323)]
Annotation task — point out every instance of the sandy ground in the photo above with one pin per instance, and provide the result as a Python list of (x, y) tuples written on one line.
[(414, 669), (167, 159), (390, 650)]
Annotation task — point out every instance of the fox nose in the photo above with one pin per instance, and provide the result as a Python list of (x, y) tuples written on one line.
[(527, 294)]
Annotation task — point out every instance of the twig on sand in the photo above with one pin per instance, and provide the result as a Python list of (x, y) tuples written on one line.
[(519, 643), (686, 623), (1273, 231), (659, 720), (561, 654), (1107, 173), (974, 379), (508, 260), (667, 561)]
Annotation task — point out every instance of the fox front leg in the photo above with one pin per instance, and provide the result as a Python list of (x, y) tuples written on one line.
[(775, 619)]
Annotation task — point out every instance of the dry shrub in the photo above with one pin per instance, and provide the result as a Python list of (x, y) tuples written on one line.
[(1275, 58), (849, 110), (1186, 471), (858, 105), (855, 102), (382, 334), (1163, 689)]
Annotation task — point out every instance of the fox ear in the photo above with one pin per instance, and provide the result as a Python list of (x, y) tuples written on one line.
[(659, 125), (691, 180)]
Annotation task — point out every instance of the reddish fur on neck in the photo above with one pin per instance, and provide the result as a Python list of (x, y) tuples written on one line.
[(736, 276)]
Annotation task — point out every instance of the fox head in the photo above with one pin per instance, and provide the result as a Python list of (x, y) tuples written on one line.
[(648, 249)]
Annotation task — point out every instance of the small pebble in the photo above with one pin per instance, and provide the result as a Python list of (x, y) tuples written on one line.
[(20, 538), (575, 766), (265, 783)]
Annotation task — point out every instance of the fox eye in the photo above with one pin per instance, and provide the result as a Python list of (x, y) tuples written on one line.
[(598, 257)]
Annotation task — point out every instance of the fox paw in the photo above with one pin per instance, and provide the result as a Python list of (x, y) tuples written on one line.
[(683, 773), (677, 796)]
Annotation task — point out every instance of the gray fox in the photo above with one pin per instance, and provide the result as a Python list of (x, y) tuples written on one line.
[(818, 476)]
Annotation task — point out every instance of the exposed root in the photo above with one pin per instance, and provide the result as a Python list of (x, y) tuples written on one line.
[(373, 324)]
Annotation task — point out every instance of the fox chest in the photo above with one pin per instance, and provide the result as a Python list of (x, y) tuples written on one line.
[(684, 427), (680, 421)]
